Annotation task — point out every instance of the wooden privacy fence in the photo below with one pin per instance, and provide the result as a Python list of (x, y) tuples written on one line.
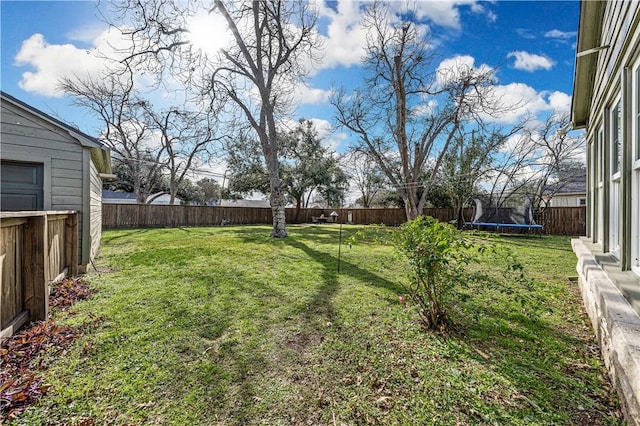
[(36, 248), (556, 220), (563, 220)]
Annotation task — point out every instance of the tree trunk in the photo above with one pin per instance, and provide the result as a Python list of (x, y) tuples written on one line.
[(277, 210), (296, 219), (276, 198), (411, 209), (459, 211), (411, 203)]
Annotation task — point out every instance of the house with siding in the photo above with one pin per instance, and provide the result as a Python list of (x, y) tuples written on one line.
[(606, 104), (49, 165), (572, 194)]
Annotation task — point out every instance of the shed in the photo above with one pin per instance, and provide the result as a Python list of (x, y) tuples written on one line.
[(49, 165)]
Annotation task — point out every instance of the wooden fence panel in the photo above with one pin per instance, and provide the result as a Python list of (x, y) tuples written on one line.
[(563, 220), (56, 244), (556, 220), (12, 286), (36, 264), (35, 248)]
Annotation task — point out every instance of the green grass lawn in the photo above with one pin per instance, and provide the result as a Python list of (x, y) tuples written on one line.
[(228, 326)]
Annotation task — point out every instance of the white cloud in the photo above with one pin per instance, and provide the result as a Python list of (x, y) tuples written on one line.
[(515, 100), (520, 101), (560, 34), (442, 13), (331, 138), (530, 62), (307, 95), (447, 13), (525, 33), (52, 62), (560, 102), (86, 33), (425, 109), (451, 68), (345, 39), (482, 10)]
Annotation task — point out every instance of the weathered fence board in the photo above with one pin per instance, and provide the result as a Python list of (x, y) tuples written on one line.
[(556, 220), (35, 249), (563, 220)]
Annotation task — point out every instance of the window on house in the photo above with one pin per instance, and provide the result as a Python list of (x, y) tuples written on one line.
[(599, 161), (582, 201), (616, 138)]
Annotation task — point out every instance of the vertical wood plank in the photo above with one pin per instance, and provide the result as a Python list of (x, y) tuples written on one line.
[(35, 265), (7, 266), (71, 244)]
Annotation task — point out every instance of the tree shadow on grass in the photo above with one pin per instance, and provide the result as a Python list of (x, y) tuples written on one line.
[(297, 338), (110, 239), (555, 370), (544, 243)]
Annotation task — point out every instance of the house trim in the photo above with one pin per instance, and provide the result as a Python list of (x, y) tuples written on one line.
[(625, 170), (591, 18)]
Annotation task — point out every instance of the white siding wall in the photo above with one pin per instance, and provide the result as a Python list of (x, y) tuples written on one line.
[(569, 200), (28, 138), (615, 81)]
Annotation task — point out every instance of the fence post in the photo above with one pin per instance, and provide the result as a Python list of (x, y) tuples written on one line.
[(71, 244), (35, 264)]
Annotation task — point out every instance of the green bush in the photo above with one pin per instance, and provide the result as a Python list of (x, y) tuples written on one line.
[(437, 256)]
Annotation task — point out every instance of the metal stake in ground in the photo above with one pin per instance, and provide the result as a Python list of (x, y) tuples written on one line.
[(334, 215)]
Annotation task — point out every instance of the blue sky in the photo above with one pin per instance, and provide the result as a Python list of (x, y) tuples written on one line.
[(530, 44)]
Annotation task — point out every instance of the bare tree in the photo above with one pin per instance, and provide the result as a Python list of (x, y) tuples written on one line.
[(391, 116), (536, 163), (366, 177), (271, 38), (186, 136), (126, 132), (558, 161), (257, 71)]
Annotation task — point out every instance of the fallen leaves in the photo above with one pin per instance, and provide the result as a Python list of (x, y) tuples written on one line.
[(69, 291), (20, 360), (21, 355)]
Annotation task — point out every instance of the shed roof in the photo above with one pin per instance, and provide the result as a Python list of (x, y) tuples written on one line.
[(115, 195), (100, 154)]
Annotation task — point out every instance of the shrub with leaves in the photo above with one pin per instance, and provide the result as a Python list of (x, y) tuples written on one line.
[(436, 253), (453, 272)]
